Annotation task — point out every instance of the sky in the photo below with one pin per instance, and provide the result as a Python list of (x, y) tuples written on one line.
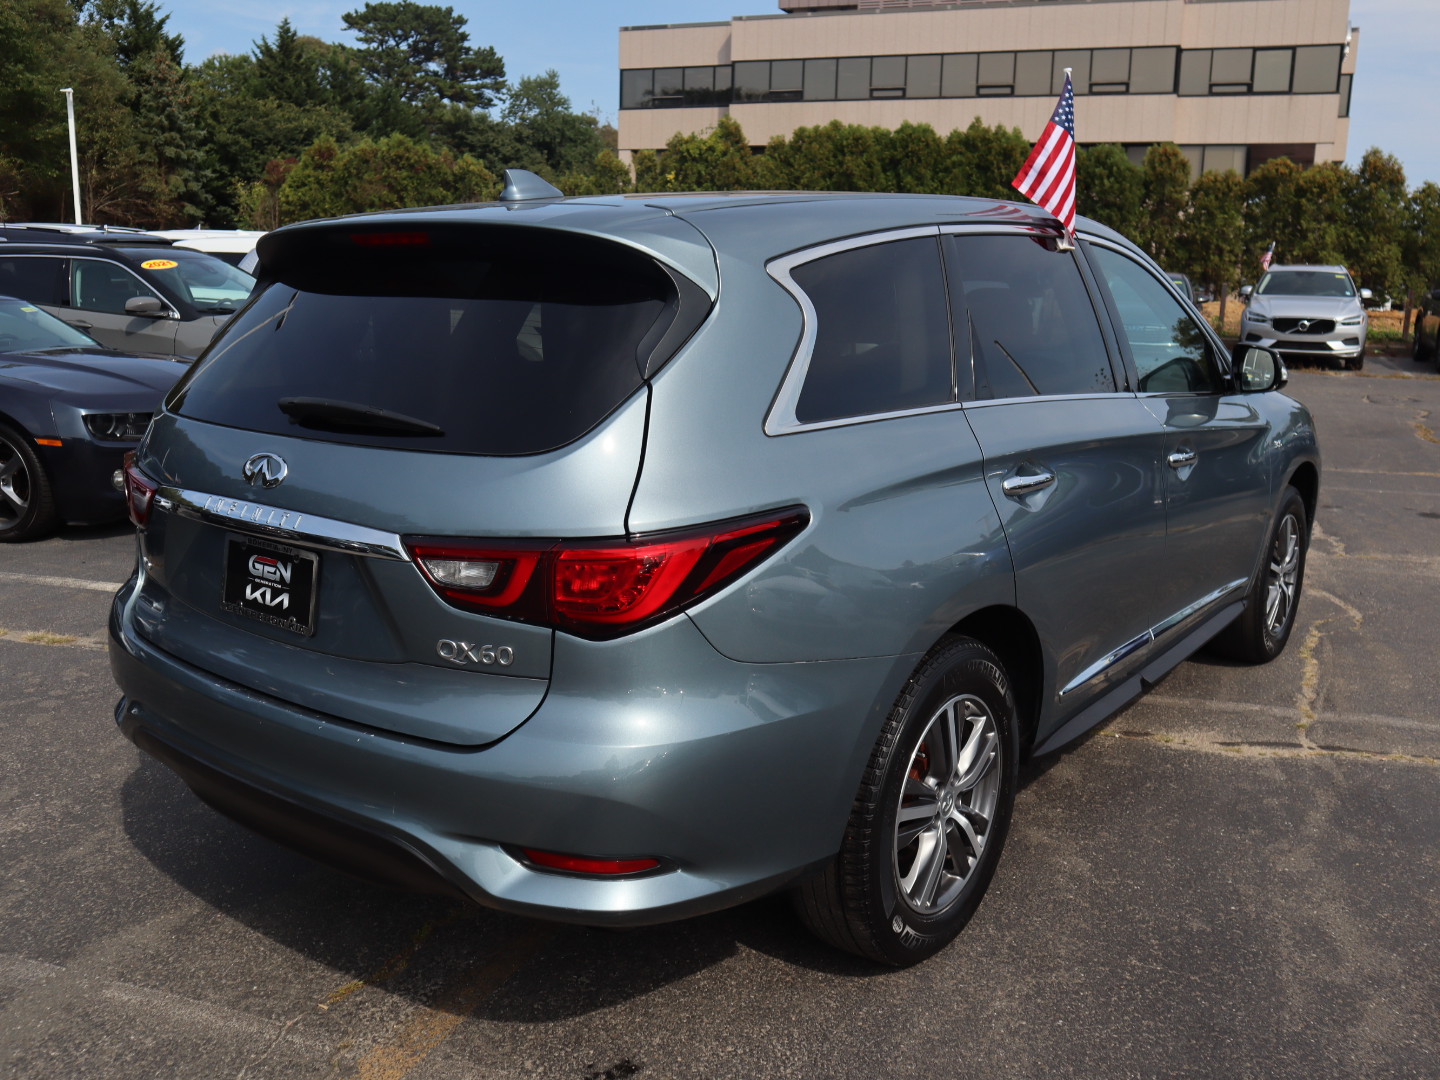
[(1395, 104)]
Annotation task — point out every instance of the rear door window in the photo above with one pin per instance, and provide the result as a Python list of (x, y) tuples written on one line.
[(466, 346), (882, 331), (1024, 322), (40, 279)]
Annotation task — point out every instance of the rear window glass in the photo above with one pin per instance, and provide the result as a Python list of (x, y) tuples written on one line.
[(478, 345), (882, 339)]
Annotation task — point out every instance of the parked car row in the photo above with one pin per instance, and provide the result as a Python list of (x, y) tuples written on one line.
[(1427, 328), (625, 559)]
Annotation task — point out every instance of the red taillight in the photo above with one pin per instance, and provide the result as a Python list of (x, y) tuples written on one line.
[(599, 590), (390, 239), (580, 864), (139, 491)]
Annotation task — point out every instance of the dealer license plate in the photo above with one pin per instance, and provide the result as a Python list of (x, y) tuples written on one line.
[(271, 582)]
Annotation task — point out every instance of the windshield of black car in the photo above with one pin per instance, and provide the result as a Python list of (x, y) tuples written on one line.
[(1305, 283), (514, 354), (212, 285), (25, 328)]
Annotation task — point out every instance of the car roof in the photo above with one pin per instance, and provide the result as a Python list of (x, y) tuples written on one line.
[(686, 229), (32, 233), (1309, 266)]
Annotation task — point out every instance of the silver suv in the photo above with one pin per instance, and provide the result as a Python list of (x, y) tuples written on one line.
[(617, 559), (1308, 313)]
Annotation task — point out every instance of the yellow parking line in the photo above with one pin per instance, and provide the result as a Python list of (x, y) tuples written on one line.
[(429, 1027)]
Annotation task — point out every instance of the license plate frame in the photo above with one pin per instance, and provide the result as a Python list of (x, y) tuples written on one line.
[(272, 583)]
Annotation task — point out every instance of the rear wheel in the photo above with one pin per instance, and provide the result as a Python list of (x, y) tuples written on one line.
[(930, 819), (1260, 632), (27, 508)]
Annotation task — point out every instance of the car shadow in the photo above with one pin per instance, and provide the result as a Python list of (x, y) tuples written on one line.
[(415, 945)]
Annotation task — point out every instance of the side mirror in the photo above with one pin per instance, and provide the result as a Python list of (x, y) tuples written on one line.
[(1366, 294), (1257, 369), (144, 305), (1245, 291)]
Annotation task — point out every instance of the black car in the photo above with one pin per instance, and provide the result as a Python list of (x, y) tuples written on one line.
[(69, 409), (127, 289)]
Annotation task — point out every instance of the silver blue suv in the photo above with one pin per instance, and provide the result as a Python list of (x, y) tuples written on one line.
[(617, 559)]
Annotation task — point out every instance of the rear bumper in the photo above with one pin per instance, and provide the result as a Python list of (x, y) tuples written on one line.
[(738, 776)]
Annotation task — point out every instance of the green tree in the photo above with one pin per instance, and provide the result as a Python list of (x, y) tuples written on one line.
[(136, 28), (1378, 206), (834, 157), (1109, 188), (914, 160), (718, 160), (1165, 190), (984, 160), (1274, 213), (541, 119), (424, 52), (607, 175), (1422, 243), (384, 174), (1212, 242)]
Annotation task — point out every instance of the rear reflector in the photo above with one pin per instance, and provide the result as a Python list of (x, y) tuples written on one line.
[(580, 864), (139, 492), (600, 589)]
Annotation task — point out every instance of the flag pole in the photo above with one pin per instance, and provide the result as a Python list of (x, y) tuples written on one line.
[(1048, 176), (1067, 234)]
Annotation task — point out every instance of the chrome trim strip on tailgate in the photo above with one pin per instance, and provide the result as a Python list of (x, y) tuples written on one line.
[(273, 521)]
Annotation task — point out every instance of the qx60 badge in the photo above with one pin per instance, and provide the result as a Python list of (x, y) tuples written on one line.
[(267, 470)]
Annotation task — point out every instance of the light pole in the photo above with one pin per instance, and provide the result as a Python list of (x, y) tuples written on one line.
[(69, 93)]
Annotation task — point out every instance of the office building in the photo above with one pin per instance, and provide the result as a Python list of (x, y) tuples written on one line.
[(1233, 82)]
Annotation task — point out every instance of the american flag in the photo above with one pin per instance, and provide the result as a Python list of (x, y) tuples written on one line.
[(1266, 259), (1048, 176)]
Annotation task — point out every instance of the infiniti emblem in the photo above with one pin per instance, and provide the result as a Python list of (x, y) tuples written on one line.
[(265, 469)]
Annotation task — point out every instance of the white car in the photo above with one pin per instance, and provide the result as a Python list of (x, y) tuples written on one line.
[(232, 245), (1307, 313)]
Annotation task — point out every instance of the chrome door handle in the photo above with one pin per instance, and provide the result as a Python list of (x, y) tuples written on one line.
[(1180, 458), (1027, 485)]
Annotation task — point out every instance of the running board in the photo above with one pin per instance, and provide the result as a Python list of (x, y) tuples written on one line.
[(1117, 698)]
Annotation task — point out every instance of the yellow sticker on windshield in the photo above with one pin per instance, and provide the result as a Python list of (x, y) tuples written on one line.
[(159, 264), (27, 307)]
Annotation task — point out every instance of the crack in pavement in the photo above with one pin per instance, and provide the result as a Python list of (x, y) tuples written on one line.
[(1213, 745)]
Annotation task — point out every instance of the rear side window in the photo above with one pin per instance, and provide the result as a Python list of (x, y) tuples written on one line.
[(882, 337), (478, 343), (37, 278), (1028, 319)]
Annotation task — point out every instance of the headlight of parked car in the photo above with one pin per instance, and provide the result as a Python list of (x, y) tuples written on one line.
[(118, 427), (1353, 320), (1256, 317)]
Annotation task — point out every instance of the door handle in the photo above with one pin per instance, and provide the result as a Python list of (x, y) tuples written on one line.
[(80, 324), (1027, 485), (1182, 457)]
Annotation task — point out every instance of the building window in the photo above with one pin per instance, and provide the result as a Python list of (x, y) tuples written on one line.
[(1317, 69), (1272, 71), (820, 80), (1305, 69), (957, 75), (1345, 81)]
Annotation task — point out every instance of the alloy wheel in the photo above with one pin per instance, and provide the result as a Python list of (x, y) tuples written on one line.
[(1284, 573), (14, 484), (947, 804)]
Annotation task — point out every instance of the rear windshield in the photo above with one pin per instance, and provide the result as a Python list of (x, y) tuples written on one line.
[(1305, 283), (486, 346), (212, 285)]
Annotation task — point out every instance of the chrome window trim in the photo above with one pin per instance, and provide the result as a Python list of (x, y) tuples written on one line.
[(781, 419), (1110, 659), (261, 519)]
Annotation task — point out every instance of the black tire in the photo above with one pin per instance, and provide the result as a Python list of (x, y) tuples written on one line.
[(27, 505), (1357, 364), (1260, 632), (948, 750)]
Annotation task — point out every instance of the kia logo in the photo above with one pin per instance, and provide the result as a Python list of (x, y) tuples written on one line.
[(264, 469)]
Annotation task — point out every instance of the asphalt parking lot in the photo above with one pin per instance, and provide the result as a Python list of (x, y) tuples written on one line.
[(1236, 877)]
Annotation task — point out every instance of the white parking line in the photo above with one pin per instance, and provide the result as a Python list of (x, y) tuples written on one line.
[(62, 582)]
